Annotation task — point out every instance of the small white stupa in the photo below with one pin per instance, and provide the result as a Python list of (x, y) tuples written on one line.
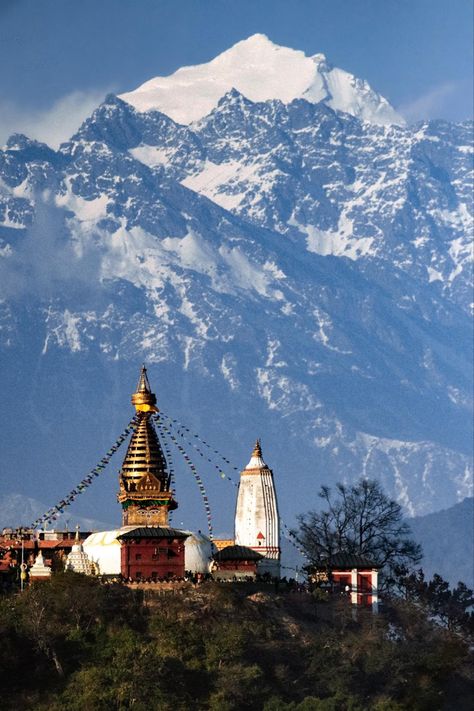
[(39, 571), (77, 560)]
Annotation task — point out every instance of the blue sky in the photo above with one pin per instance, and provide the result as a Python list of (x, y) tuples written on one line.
[(59, 58)]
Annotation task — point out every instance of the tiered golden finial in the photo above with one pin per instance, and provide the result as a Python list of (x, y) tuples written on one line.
[(144, 480), (257, 450), (143, 399), (256, 462)]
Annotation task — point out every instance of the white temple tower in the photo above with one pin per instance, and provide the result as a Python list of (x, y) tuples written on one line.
[(257, 523)]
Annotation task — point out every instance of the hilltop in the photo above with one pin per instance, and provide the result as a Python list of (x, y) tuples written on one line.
[(221, 647)]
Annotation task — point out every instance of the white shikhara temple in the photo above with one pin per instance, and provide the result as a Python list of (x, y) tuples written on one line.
[(257, 523)]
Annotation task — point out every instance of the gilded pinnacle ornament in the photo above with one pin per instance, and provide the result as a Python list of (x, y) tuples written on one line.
[(143, 399), (257, 450)]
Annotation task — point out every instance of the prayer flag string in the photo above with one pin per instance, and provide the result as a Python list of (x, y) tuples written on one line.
[(180, 434), (55, 511), (294, 540), (182, 428), (167, 434), (170, 467)]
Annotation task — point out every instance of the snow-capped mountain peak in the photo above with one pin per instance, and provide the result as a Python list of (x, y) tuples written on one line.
[(261, 70)]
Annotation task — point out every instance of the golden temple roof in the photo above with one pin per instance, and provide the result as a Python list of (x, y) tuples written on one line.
[(144, 469)]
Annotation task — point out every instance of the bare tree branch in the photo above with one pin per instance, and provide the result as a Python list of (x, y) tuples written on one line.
[(359, 519)]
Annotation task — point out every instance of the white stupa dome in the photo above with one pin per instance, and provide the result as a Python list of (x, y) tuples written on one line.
[(103, 551), (198, 551)]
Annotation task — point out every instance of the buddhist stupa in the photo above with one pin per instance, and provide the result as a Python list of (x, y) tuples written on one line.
[(78, 560), (145, 492), (39, 571)]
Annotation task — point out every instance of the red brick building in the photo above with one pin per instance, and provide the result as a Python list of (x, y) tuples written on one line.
[(152, 553), (347, 574)]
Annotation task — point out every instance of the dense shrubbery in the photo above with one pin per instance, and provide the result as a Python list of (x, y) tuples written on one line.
[(72, 643)]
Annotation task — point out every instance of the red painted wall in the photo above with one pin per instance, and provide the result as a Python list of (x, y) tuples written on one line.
[(364, 585), (364, 588), (152, 558)]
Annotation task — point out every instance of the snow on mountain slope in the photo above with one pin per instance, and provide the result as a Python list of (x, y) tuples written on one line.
[(261, 70), (355, 190), (338, 187), (285, 270)]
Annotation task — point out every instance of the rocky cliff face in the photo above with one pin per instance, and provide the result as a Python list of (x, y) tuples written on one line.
[(285, 269)]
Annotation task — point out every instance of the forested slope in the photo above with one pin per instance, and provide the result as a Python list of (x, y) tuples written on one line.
[(73, 643)]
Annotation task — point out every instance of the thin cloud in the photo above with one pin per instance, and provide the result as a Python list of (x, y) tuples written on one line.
[(51, 257), (433, 104), (54, 124)]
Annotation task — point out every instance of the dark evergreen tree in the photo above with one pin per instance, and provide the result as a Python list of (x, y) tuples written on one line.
[(452, 608)]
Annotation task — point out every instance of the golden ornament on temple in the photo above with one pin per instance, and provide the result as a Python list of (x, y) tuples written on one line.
[(257, 450), (143, 399)]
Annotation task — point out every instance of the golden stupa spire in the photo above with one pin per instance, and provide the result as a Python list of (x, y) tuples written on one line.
[(145, 492), (143, 399)]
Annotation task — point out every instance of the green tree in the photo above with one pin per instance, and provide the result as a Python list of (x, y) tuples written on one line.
[(219, 648), (453, 608)]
